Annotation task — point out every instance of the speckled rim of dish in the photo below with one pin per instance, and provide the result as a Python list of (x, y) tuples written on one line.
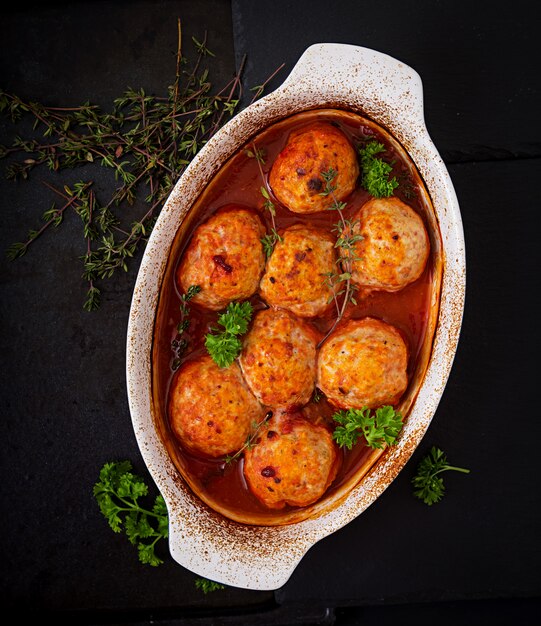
[(327, 75)]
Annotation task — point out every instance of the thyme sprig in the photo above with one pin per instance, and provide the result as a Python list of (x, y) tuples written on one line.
[(146, 141), (120, 495), (251, 439), (269, 240), (339, 282), (179, 344)]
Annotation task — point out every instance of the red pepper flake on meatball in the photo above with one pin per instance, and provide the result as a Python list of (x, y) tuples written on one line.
[(211, 410), (295, 466), (224, 257), (295, 177), (363, 364)]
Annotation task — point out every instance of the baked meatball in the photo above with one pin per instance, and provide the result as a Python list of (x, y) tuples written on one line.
[(363, 364), (394, 247), (278, 359), (225, 258), (295, 177), (294, 278), (211, 410), (293, 462)]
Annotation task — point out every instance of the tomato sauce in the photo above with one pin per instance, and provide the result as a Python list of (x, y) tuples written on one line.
[(239, 181)]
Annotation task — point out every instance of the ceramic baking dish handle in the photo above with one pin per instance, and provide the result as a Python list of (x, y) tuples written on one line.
[(353, 76)]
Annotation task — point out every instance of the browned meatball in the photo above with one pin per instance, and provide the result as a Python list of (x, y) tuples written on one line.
[(293, 462), (225, 258), (295, 176), (294, 278), (211, 410), (394, 247), (363, 364), (278, 359)]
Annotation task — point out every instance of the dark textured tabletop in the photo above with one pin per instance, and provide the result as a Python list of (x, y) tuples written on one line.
[(64, 409)]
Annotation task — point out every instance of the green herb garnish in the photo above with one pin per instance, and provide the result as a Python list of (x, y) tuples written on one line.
[(250, 440), (224, 346), (428, 484), (118, 493), (145, 141), (180, 343), (375, 171), (378, 429), (268, 240), (339, 282), (207, 586)]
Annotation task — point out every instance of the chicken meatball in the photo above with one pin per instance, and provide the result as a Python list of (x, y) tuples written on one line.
[(295, 177), (394, 247), (295, 276), (293, 462), (211, 410), (278, 359), (363, 364), (225, 258)]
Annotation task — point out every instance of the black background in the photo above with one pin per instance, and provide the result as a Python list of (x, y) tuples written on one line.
[(64, 408)]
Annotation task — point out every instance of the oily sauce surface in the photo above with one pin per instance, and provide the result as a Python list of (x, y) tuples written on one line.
[(239, 181)]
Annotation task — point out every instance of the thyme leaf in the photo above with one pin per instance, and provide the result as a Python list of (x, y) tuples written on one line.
[(180, 343), (145, 141), (339, 282)]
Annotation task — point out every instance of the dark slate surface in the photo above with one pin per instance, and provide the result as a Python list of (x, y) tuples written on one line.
[(64, 407), (477, 64)]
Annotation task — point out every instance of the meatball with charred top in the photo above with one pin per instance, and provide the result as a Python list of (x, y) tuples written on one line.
[(363, 364), (296, 174), (211, 410), (293, 462), (278, 359), (393, 249), (225, 258), (295, 276)]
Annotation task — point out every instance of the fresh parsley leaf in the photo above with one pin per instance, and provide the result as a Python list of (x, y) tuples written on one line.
[(224, 346), (378, 429), (207, 586), (118, 493), (428, 485), (375, 171)]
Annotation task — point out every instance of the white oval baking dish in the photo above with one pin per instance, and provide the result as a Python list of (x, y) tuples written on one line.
[(390, 93)]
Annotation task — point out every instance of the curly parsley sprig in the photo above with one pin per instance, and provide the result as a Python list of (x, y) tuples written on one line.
[(251, 439), (339, 282), (428, 484), (375, 171), (378, 429), (207, 586), (118, 493), (224, 346)]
